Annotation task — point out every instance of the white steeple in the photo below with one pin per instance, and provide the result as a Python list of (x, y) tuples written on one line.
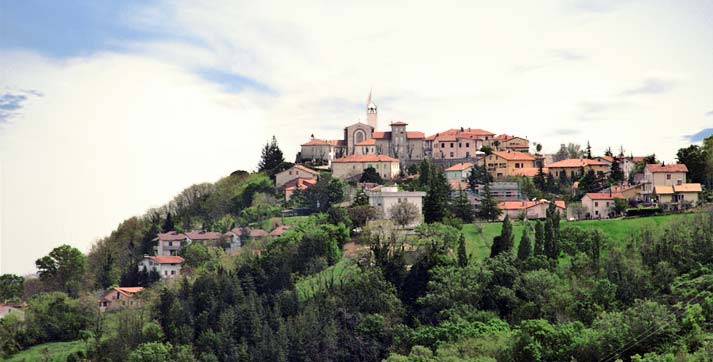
[(371, 112)]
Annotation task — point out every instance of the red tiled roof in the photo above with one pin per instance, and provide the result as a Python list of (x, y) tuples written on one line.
[(514, 156), (460, 166), (368, 142), (203, 235), (458, 184), (609, 159), (415, 135), (605, 195), (471, 133), (300, 182), (381, 135), (530, 171), (518, 205), (126, 291), (576, 162), (691, 187), (318, 142), (398, 124), (167, 259), (280, 230), (676, 167), (365, 158), (256, 233), (305, 169), (171, 236)]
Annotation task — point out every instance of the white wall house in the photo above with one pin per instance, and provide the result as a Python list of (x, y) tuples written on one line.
[(167, 266), (386, 197)]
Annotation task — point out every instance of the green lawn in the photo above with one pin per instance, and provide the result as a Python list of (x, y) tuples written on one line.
[(307, 286), (618, 230), (53, 352)]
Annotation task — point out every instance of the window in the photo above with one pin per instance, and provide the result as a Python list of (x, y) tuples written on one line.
[(173, 272), (170, 243), (443, 145), (460, 145), (596, 204), (668, 176), (451, 154), (607, 203), (290, 172), (467, 145), (451, 144), (596, 212)]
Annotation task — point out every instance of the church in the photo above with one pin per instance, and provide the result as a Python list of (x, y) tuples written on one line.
[(363, 139)]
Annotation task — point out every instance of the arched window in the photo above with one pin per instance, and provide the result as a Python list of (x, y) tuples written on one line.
[(359, 136)]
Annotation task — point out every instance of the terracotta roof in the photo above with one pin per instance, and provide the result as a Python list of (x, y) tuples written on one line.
[(690, 187), (398, 124), (256, 233), (305, 169), (518, 205), (280, 230), (167, 259), (514, 156), (368, 142), (530, 171), (663, 190), (460, 166), (300, 182), (472, 133), (506, 137), (576, 162), (126, 291), (676, 167), (458, 184), (365, 158), (415, 135), (318, 142), (170, 236), (605, 195), (381, 135), (203, 235), (609, 159)]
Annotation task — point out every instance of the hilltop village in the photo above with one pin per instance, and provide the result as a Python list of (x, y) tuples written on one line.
[(404, 245)]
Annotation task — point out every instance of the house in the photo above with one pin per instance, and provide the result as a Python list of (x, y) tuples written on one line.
[(297, 184), (280, 230), (502, 191), (609, 160), (663, 175), (294, 172), (572, 168), (459, 171), (454, 144), (365, 147), (506, 142), (687, 192), (529, 209), (166, 266), (503, 164), (207, 238), (530, 171), (400, 143), (168, 244), (353, 166), (600, 205), (321, 151), (385, 198), (6, 310), (119, 297)]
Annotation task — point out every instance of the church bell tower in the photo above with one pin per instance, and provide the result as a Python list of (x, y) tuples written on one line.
[(370, 112)]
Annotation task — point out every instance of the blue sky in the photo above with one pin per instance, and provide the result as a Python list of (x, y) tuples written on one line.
[(145, 98)]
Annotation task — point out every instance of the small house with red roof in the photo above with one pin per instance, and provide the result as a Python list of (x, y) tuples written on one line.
[(573, 167), (532, 210), (459, 171), (321, 151), (600, 205), (297, 184), (169, 243), (505, 142), (166, 266), (295, 172), (455, 143), (502, 164), (120, 297), (663, 175)]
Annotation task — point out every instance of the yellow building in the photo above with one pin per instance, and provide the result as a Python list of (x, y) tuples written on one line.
[(573, 167), (507, 163), (353, 166)]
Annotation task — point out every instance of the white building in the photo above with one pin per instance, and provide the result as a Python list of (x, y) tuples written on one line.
[(166, 266), (386, 197)]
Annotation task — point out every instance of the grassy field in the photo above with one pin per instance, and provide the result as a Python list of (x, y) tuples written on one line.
[(479, 237), (307, 286), (50, 352)]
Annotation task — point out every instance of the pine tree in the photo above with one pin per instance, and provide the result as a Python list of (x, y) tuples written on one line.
[(539, 239), (506, 235), (616, 175), (589, 151), (549, 239), (551, 186), (462, 256), (488, 205), (497, 246), (271, 157), (524, 250), (435, 205), (168, 224), (424, 173), (552, 232), (608, 152), (361, 199), (563, 179), (539, 179), (462, 208)]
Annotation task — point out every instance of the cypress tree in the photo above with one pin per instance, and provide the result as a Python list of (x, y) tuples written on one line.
[(488, 205), (524, 250), (168, 223), (462, 208), (462, 256), (435, 205), (539, 239), (497, 247), (549, 239), (506, 235)]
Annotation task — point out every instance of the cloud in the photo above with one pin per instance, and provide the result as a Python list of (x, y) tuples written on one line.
[(566, 132), (651, 86), (709, 113), (567, 55), (596, 7), (12, 101), (598, 110), (697, 137)]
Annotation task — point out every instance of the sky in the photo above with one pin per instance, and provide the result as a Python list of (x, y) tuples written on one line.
[(108, 108)]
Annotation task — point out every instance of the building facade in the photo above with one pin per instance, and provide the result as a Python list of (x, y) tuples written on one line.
[(294, 172), (531, 210), (353, 166), (573, 167), (387, 197), (119, 297), (166, 266), (600, 205), (504, 164)]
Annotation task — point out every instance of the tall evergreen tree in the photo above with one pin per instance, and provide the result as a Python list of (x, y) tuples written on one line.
[(524, 250), (616, 175), (271, 157), (552, 232), (504, 242), (462, 208), (539, 179), (424, 173), (589, 151), (488, 205), (168, 224), (539, 239), (462, 256), (497, 246), (563, 179), (435, 205)]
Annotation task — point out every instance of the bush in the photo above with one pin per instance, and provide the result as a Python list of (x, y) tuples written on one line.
[(649, 211)]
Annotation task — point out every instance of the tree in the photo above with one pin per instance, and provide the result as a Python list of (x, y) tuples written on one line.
[(489, 209), (325, 193), (538, 147), (524, 250), (462, 256), (63, 269), (435, 204), (539, 179), (168, 223), (620, 205), (478, 175), (487, 150), (539, 239), (503, 243), (403, 213), (607, 152), (462, 207), (589, 151), (616, 175), (361, 214), (11, 287), (271, 158), (695, 158), (551, 244), (370, 175)]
